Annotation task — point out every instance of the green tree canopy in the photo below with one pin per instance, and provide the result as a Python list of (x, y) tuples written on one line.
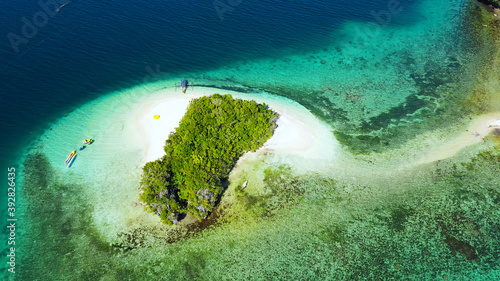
[(215, 131)]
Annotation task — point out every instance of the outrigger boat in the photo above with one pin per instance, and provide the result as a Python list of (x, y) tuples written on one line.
[(70, 156), (184, 85)]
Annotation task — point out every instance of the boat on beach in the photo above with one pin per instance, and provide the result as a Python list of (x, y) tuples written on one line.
[(71, 161), (184, 85), (88, 141), (70, 156)]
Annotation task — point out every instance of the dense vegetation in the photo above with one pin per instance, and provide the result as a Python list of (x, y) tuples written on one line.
[(199, 155)]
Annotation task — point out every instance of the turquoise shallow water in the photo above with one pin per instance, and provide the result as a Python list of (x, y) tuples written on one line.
[(375, 79), (437, 221)]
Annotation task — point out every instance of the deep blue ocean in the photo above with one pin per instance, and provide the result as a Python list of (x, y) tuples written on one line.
[(57, 55), (90, 48)]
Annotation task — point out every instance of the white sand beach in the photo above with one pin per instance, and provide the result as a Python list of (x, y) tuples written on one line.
[(298, 133)]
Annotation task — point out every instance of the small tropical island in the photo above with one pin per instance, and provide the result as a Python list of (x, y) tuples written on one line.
[(213, 134)]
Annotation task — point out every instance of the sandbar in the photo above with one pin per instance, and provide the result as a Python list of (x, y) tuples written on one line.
[(477, 130)]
